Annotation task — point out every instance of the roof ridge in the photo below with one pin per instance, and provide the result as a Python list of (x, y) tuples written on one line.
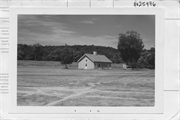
[(94, 58), (93, 54)]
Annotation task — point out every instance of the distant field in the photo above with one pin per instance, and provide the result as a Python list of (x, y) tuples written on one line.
[(46, 83)]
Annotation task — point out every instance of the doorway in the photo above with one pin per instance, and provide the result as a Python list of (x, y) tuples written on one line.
[(85, 66)]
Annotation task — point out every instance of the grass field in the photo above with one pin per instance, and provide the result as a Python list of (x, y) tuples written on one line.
[(44, 83)]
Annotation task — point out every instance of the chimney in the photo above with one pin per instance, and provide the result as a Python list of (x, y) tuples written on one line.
[(94, 53)]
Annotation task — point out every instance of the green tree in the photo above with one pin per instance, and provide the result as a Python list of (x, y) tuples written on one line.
[(142, 61), (147, 59), (66, 57), (77, 55), (130, 46), (151, 59), (25, 52), (37, 51), (21, 52), (55, 55)]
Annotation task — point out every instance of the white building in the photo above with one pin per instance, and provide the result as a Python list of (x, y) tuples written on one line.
[(94, 61)]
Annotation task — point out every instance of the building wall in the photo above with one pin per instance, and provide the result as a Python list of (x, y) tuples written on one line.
[(102, 65), (85, 61)]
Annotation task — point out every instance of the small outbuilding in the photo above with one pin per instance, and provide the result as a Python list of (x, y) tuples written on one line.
[(94, 61)]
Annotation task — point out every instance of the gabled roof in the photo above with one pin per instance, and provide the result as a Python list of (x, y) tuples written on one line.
[(96, 58)]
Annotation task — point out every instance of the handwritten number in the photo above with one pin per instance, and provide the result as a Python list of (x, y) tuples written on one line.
[(143, 4)]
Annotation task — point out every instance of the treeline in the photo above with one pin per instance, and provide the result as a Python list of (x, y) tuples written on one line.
[(130, 51), (38, 52), (147, 59), (56, 53)]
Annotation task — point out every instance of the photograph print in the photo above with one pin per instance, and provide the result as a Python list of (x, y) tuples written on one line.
[(86, 60)]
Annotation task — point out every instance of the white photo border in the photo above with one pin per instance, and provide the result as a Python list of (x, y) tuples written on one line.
[(159, 61)]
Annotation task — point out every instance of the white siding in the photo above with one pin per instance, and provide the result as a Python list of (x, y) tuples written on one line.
[(85, 61)]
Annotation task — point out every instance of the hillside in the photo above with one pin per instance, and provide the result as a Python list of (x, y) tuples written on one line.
[(53, 53)]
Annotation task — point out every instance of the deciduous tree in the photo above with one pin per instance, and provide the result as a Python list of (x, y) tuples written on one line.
[(147, 59), (130, 46), (37, 51), (66, 57)]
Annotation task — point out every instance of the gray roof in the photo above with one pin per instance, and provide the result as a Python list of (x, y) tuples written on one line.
[(96, 58)]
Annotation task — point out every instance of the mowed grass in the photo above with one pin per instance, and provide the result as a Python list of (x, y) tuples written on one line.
[(47, 83)]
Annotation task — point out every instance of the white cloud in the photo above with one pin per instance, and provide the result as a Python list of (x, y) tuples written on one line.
[(75, 39), (56, 33)]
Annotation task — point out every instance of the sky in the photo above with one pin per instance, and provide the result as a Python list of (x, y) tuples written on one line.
[(100, 30)]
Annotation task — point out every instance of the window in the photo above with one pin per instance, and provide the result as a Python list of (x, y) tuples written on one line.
[(86, 60), (86, 65)]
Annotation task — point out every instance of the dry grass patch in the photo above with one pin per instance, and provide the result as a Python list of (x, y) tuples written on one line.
[(83, 87), (35, 100)]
